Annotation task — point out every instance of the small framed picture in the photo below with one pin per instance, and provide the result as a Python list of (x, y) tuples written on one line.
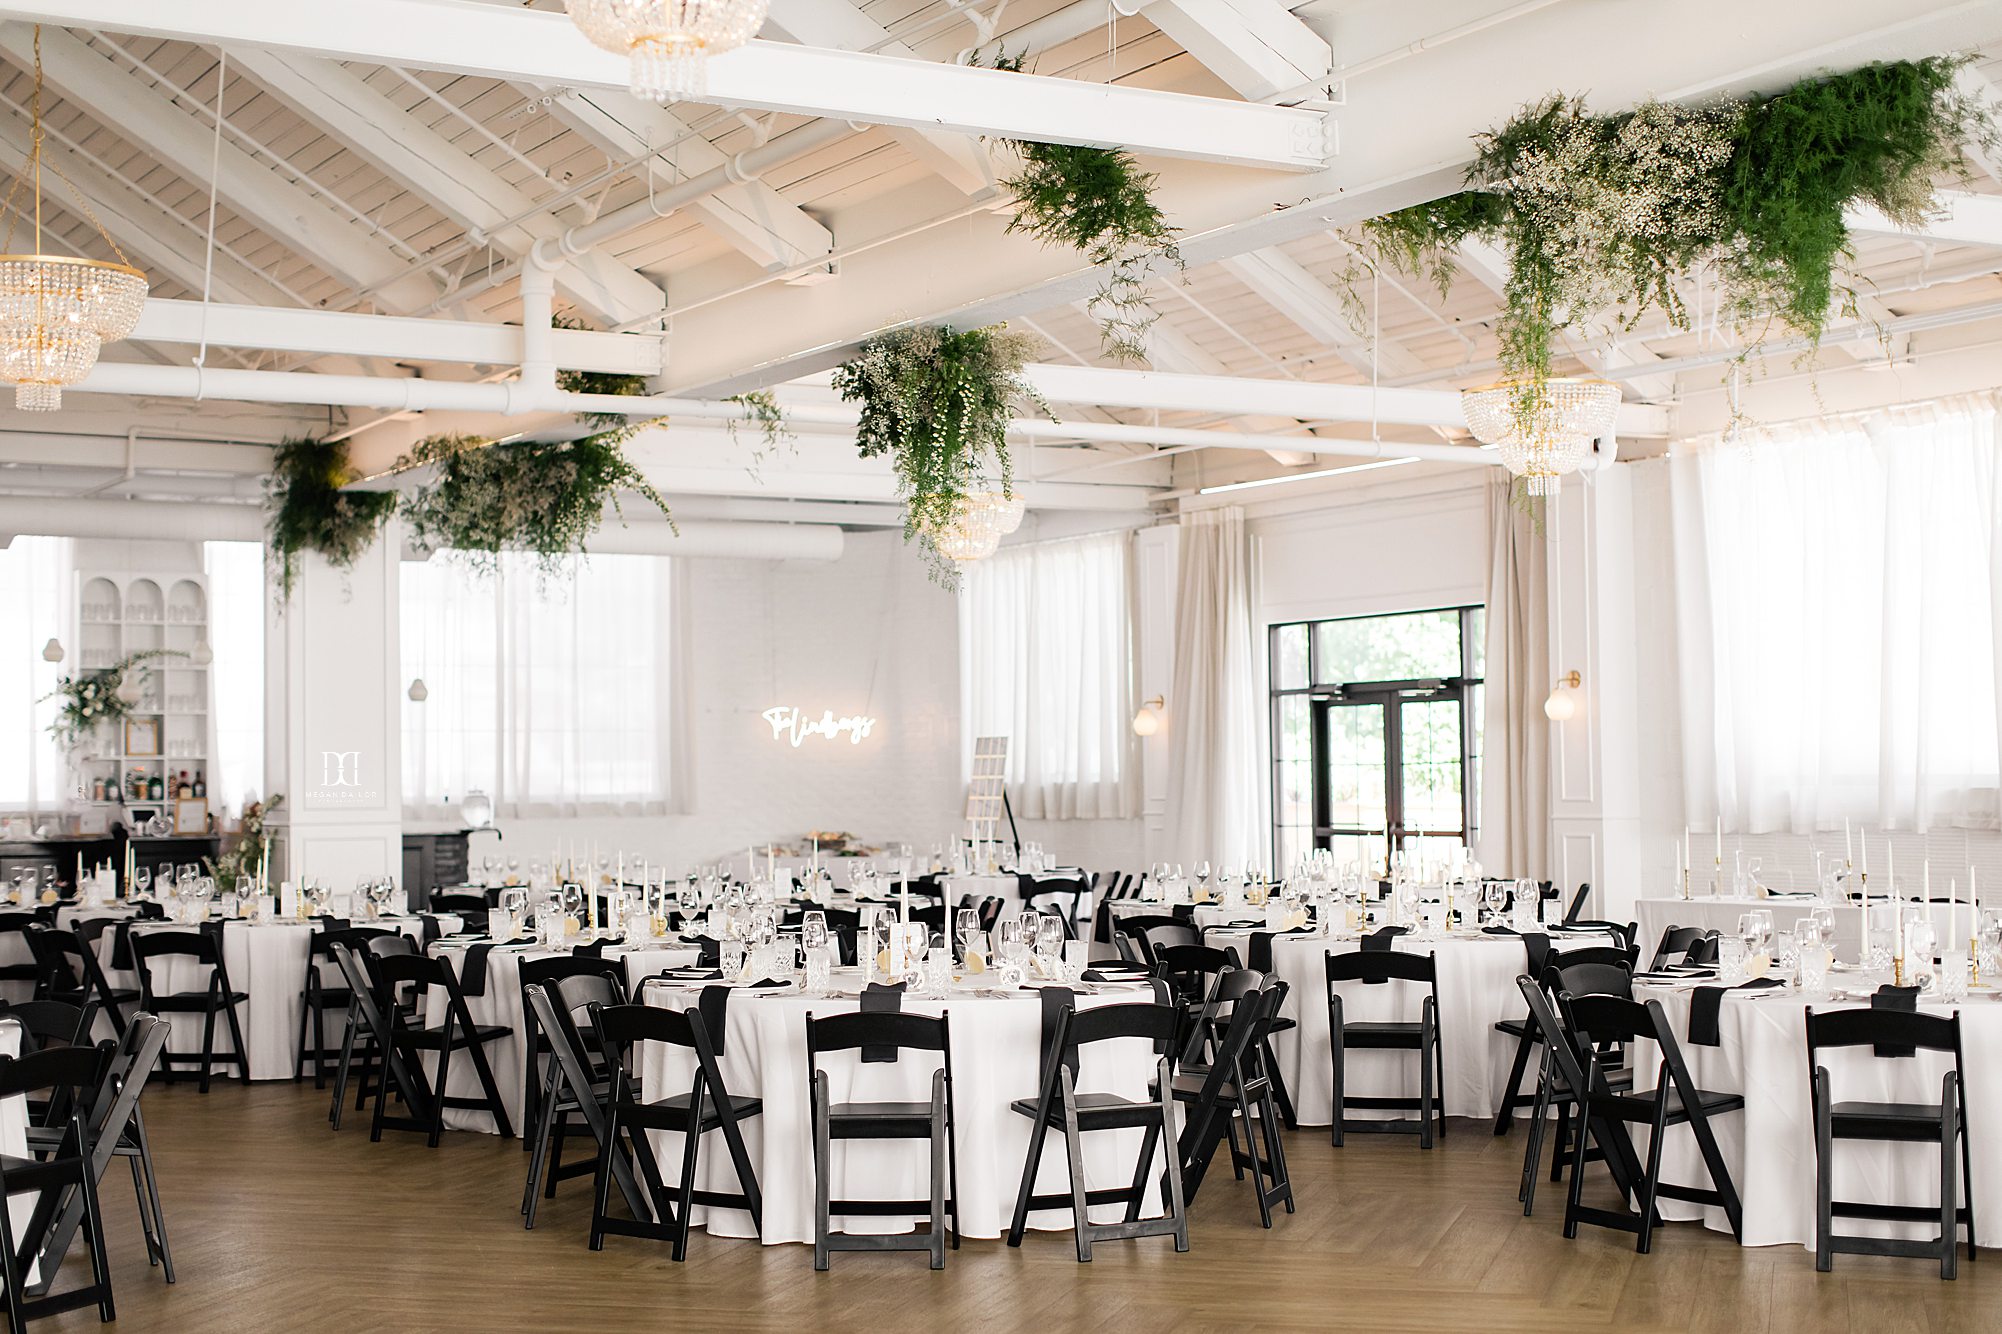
[(142, 736), (191, 815)]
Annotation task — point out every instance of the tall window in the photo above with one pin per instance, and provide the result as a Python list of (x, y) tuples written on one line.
[(548, 693), (1376, 732), (1045, 659), (236, 634), (1839, 607), (37, 589)]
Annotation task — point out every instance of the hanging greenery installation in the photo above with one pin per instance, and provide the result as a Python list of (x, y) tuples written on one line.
[(1601, 215), (308, 510), (937, 401), (1099, 202), (761, 407)]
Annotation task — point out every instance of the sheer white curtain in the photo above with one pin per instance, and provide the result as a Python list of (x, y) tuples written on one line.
[(1837, 605), (237, 601), (37, 590), (1515, 741), (1045, 659), (1216, 714), (551, 694)]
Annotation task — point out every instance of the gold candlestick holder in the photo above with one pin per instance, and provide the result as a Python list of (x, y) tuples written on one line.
[(1974, 961), (1897, 970), (1685, 883)]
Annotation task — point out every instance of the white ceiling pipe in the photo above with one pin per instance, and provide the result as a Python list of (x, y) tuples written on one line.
[(723, 541), (45, 516), (1033, 429)]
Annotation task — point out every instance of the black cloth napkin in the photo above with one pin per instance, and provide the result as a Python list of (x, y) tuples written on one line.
[(1535, 944), (881, 998), (1055, 1001), (473, 971), (1258, 958), (1706, 1002), (1888, 997), (1380, 938)]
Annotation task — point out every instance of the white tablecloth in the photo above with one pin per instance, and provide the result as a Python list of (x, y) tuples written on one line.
[(1769, 1147), (267, 962), (1657, 915), (996, 1057), (1476, 991), (500, 1004)]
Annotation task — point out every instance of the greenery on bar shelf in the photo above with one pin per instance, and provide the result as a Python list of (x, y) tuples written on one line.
[(1600, 215), (1099, 202), (308, 510), (938, 401)]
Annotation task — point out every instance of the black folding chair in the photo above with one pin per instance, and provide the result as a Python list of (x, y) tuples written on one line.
[(536, 1042), (547, 1130), (470, 907), (708, 1105), (1211, 1110), (1675, 944), (217, 998), (575, 1080), (1131, 935), (369, 1020), (933, 1121), (409, 1036), (71, 973), (68, 1077), (1240, 1086), (118, 1130), (1419, 1036), (1605, 1112), (317, 997), (1060, 1107), (1892, 1035)]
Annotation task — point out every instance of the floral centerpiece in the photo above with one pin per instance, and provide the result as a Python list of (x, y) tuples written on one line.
[(249, 852), (93, 698)]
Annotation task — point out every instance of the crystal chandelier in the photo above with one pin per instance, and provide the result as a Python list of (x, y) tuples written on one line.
[(1543, 428), (668, 41), (1007, 510), (56, 311)]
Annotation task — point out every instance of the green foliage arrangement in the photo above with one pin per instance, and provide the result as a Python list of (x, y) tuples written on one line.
[(308, 510), (618, 426), (938, 402), (1601, 214), (761, 407), (91, 698), (1099, 202), (547, 498), (248, 853)]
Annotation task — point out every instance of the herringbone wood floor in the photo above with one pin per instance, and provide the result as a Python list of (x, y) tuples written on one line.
[(280, 1224)]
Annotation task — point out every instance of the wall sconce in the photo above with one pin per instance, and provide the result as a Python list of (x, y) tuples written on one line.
[(53, 650), (1563, 701), (418, 691), (1148, 721)]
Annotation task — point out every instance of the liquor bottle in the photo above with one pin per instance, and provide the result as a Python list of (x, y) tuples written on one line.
[(155, 789), (201, 785)]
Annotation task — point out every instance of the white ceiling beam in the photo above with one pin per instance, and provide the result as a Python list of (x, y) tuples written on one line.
[(750, 215), (1405, 139), (840, 26), (1258, 47), (1968, 219), (530, 46), (141, 226), (1311, 304), (402, 337), (401, 146), (281, 209), (1168, 349), (1245, 396)]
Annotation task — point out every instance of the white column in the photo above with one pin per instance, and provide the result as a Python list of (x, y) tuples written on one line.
[(1594, 759), (334, 722)]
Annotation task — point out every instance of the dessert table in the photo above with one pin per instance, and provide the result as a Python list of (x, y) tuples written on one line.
[(1476, 989), (1769, 1147), (499, 1002), (996, 1058)]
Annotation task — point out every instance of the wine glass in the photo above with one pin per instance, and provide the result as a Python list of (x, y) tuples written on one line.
[(142, 881), (1202, 875), (1049, 938), (964, 923), (813, 931)]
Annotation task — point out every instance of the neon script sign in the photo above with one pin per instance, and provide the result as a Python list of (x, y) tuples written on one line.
[(790, 724)]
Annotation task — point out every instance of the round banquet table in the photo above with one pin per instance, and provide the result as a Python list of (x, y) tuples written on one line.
[(996, 1058), (1476, 991), (1769, 1147), (500, 1003), (267, 962), (1722, 914)]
